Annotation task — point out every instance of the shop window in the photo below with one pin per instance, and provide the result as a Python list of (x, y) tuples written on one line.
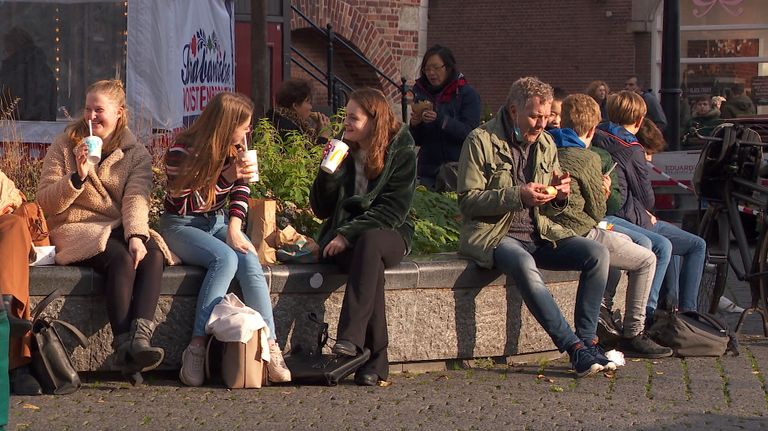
[(723, 50), (51, 51)]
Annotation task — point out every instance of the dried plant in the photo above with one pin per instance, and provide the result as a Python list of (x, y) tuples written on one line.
[(15, 160)]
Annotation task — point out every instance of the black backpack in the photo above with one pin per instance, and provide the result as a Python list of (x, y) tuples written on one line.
[(312, 367), (690, 333)]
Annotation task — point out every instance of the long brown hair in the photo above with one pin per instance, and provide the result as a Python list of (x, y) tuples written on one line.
[(592, 89), (208, 141), (78, 129), (384, 126)]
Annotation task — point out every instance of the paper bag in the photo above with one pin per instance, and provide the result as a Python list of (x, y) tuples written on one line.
[(262, 228), (295, 247)]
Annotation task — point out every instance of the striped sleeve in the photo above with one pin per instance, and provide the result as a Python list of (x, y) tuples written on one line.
[(238, 199)]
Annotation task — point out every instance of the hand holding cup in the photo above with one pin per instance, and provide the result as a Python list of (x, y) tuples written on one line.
[(334, 154)]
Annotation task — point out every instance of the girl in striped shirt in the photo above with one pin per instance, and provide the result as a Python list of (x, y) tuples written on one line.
[(206, 171)]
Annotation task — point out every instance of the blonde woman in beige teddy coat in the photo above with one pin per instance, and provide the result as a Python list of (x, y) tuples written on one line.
[(98, 217)]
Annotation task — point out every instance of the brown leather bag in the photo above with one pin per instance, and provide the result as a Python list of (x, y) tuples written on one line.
[(241, 364), (38, 228)]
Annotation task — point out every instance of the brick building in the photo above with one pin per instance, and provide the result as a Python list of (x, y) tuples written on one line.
[(494, 42), (387, 32)]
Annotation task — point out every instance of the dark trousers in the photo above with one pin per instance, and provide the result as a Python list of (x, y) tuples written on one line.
[(130, 293), (363, 321)]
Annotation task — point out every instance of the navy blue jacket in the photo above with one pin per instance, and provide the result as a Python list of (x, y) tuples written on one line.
[(458, 113), (634, 177)]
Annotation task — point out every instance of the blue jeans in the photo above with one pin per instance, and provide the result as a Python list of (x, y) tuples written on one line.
[(682, 278), (661, 247), (202, 240), (518, 260)]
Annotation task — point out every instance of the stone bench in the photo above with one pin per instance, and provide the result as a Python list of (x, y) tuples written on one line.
[(439, 308)]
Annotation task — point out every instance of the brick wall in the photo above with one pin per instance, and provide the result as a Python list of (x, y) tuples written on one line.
[(386, 32), (567, 44)]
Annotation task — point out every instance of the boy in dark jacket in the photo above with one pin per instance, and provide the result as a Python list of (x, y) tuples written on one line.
[(590, 188), (626, 110)]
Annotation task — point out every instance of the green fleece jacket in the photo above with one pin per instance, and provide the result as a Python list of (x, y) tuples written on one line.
[(488, 191), (587, 205), (386, 204)]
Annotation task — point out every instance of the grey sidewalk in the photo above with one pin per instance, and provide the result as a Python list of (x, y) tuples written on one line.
[(696, 393)]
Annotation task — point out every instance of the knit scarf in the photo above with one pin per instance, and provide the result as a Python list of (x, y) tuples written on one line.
[(443, 93)]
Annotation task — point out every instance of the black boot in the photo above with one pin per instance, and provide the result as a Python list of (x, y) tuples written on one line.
[(19, 327), (23, 382)]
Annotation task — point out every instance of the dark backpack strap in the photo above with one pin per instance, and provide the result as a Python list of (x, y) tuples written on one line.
[(45, 303), (322, 334), (72, 329)]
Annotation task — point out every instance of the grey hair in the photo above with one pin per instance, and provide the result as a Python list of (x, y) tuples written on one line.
[(527, 88)]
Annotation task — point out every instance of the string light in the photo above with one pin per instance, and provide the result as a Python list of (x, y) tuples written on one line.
[(58, 47)]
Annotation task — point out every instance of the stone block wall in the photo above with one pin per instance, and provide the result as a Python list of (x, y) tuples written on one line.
[(437, 310)]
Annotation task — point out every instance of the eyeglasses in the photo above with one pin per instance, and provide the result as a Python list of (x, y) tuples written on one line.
[(428, 69)]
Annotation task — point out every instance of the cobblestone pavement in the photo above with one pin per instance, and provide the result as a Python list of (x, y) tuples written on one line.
[(697, 393)]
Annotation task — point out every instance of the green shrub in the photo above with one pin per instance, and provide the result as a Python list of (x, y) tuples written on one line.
[(437, 220)]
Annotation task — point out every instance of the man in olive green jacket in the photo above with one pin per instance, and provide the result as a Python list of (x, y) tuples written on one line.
[(510, 185)]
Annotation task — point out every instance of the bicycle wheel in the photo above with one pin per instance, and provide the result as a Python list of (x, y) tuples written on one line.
[(716, 266), (759, 284)]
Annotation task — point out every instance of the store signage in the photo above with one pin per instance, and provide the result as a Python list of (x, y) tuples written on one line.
[(180, 54)]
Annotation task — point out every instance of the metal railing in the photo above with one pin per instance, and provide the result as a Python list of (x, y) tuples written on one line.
[(335, 85)]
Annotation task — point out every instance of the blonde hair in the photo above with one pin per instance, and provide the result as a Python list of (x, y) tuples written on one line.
[(115, 91), (384, 127), (625, 107), (208, 141), (580, 112), (527, 88)]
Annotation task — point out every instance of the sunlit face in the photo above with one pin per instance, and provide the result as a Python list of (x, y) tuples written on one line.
[(103, 112), (532, 118), (238, 136), (702, 107), (435, 70), (554, 115), (303, 109), (357, 124), (631, 85), (600, 93)]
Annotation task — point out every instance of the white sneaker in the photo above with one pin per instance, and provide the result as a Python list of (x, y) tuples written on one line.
[(726, 306), (277, 371), (192, 371)]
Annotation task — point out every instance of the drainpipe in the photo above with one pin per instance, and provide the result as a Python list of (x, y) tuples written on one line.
[(670, 72), (259, 61)]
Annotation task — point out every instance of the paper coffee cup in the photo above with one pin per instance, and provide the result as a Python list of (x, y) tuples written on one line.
[(94, 144), (335, 156), (252, 157)]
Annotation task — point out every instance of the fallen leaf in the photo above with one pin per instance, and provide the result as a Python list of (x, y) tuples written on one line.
[(443, 377), (30, 406), (384, 383), (286, 392), (659, 373)]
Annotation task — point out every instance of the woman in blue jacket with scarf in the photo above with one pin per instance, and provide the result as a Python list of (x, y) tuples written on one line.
[(440, 126)]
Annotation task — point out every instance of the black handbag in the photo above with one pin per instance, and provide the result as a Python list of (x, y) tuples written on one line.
[(51, 361), (312, 367)]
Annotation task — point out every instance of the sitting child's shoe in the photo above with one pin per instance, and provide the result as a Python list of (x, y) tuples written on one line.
[(599, 354), (582, 361), (192, 371), (277, 370), (641, 346)]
